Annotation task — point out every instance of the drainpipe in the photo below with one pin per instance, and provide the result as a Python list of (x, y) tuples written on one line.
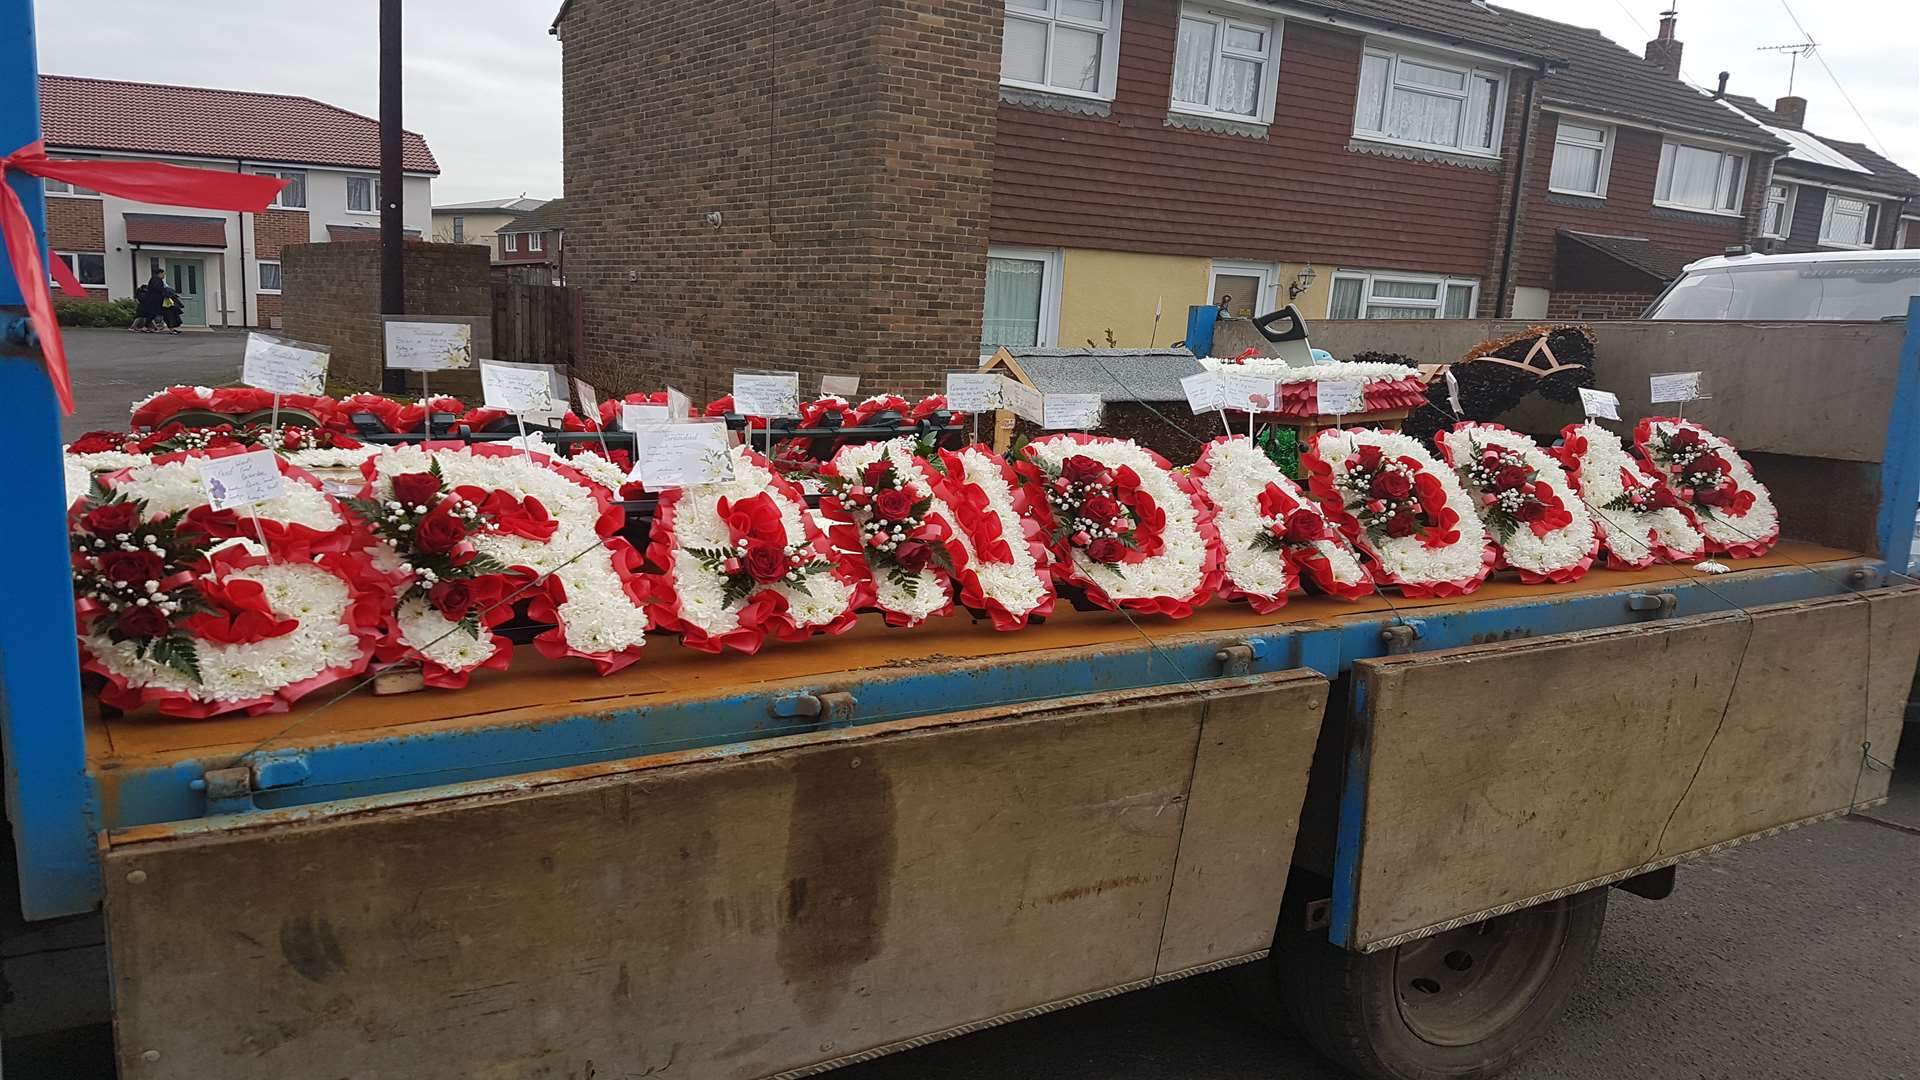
[(244, 298), (1519, 190)]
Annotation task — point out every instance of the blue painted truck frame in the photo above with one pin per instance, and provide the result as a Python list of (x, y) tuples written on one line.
[(54, 802)]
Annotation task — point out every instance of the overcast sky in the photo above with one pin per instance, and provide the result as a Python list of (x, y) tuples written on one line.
[(483, 76)]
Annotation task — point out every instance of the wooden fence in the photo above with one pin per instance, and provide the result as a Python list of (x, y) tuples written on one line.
[(536, 324)]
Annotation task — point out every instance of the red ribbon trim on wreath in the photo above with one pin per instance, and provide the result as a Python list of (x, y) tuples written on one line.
[(142, 181)]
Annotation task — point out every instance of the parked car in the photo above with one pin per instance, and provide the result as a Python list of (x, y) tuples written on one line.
[(1828, 285)]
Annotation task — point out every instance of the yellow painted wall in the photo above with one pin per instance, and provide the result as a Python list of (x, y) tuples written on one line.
[(1116, 290)]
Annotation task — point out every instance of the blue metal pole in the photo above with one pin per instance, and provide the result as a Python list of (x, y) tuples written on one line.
[(40, 722), (1900, 465)]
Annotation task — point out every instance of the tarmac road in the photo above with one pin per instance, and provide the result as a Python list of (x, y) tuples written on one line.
[(114, 368)]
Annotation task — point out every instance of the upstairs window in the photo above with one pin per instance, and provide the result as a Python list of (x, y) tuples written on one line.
[(509, 241), (1226, 65), (1429, 102), (363, 194), (1062, 46), (1849, 222), (459, 230), (294, 195), (1362, 294), (1582, 154), (1779, 219), (1699, 178), (535, 241)]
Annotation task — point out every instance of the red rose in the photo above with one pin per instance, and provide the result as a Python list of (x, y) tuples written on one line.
[(1712, 463), (766, 562), (875, 472), (1081, 469), (132, 567), (1304, 526), (1390, 485), (452, 599), (112, 519), (416, 488), (1100, 508), (1712, 497), (1369, 457), (143, 622), (1511, 476), (96, 442), (1530, 511), (893, 504), (1106, 550), (912, 557), (1400, 525), (439, 532), (1686, 437)]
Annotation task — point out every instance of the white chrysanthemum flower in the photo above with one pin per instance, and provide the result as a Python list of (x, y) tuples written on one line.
[(1634, 537), (1561, 550), (1408, 560), (1753, 531), (1178, 571), (1237, 472)]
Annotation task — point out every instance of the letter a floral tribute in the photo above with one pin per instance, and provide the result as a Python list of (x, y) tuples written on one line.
[(1734, 510), (1641, 521), (1402, 508), (1273, 535), (1006, 574), (1541, 527)]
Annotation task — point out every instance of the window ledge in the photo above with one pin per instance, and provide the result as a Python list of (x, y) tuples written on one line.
[(1359, 145), (296, 209), (1218, 125), (1066, 103), (71, 195), (1832, 245), (1692, 213), (1574, 198)]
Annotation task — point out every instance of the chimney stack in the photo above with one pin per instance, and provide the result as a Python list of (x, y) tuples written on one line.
[(1664, 51), (1792, 112)]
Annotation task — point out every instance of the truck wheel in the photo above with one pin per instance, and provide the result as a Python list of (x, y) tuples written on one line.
[(1461, 1005)]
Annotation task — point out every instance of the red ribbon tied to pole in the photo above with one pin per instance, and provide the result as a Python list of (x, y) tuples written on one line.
[(143, 181)]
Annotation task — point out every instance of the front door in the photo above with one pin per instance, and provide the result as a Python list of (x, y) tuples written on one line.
[(184, 275), (1244, 290)]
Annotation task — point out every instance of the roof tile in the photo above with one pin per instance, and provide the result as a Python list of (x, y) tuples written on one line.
[(1885, 174), (176, 229)]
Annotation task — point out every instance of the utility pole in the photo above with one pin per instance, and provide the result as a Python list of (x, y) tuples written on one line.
[(393, 267)]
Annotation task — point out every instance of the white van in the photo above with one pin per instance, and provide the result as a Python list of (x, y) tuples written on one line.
[(1828, 285)]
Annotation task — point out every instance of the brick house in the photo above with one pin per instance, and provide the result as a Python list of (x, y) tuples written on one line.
[(1633, 174), (225, 265), (534, 237), (479, 222), (1830, 195)]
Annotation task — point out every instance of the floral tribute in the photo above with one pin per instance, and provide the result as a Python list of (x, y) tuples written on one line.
[(883, 503), (472, 529), (1641, 521), (155, 410), (1387, 386), (1521, 493), (743, 560), (1273, 535), (1401, 508), (1734, 511), (180, 607), (1005, 574), (1122, 526)]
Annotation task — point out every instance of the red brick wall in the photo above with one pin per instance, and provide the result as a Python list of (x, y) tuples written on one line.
[(270, 309), (275, 229), (331, 294), (1582, 306), (1627, 210), (845, 146), (76, 224), (1129, 182), (549, 248)]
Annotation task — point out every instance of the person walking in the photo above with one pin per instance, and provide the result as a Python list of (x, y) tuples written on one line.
[(143, 311)]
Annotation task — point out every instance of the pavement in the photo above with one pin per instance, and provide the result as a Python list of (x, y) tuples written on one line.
[(1794, 958)]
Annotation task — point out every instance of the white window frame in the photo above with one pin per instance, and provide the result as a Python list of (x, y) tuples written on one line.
[(1905, 230), (60, 189), (286, 174), (536, 242), (1368, 278), (1269, 63), (1608, 136), (510, 242), (1268, 273), (1394, 54), (1047, 334), (1870, 227), (459, 228), (1109, 32), (1727, 154), (72, 259), (260, 277), (1787, 206), (373, 186)]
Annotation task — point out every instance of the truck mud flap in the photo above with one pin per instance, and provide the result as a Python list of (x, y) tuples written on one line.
[(773, 909), (1486, 779)]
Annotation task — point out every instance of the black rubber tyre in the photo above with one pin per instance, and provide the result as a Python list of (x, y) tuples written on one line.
[(1462, 1005)]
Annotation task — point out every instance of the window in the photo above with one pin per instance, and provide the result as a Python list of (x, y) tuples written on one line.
[(1062, 46), (509, 241), (363, 194), (1023, 299), (1428, 102), (89, 269), (1779, 218), (1699, 178), (294, 195), (269, 276), (534, 241), (459, 230), (61, 187), (1224, 65), (1248, 288), (1582, 157), (1848, 222), (1359, 294)]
